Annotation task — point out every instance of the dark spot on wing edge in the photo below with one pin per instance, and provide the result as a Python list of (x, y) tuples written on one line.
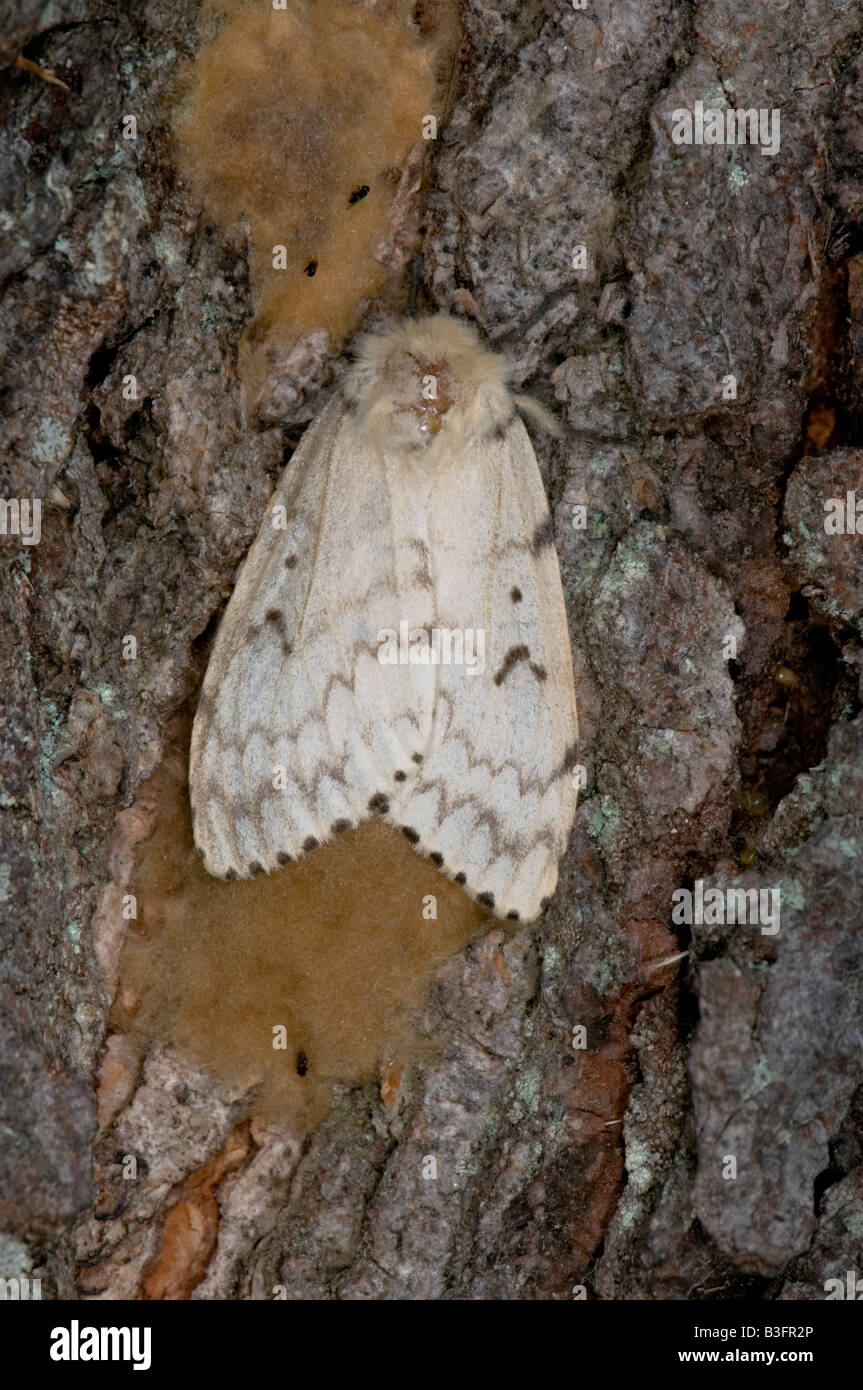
[(543, 536)]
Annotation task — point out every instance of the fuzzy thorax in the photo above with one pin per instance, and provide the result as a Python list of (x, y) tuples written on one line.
[(429, 385)]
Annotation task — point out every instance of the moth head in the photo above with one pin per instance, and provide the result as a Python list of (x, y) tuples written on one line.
[(428, 387)]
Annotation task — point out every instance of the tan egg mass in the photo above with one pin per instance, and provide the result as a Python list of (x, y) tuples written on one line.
[(330, 958), (298, 124)]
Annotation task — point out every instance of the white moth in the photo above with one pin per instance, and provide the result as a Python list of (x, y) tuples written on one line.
[(347, 679)]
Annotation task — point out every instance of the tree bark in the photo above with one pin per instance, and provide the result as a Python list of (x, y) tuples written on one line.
[(708, 1137)]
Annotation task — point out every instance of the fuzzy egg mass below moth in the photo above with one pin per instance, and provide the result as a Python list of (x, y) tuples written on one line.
[(416, 516)]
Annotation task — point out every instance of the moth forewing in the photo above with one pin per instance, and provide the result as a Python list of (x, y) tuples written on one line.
[(399, 645)]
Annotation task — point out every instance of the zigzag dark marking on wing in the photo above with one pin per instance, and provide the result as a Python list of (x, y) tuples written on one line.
[(525, 783), (237, 741), (216, 791), (503, 846), (515, 546)]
